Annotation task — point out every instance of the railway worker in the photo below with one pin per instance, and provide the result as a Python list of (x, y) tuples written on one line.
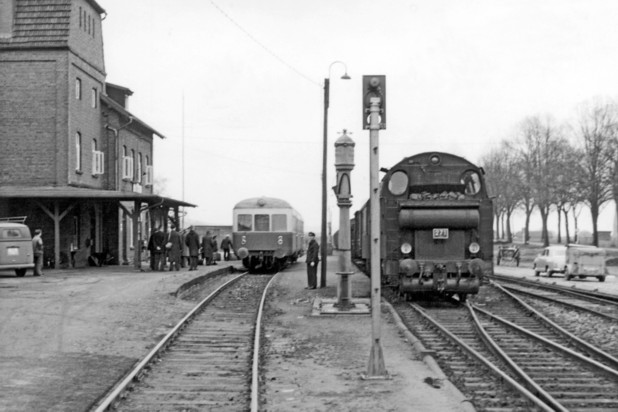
[(156, 246), (175, 248), (192, 241), (313, 257), (226, 245), (37, 248), (207, 249)]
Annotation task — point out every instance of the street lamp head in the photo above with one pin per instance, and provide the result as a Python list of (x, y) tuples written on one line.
[(345, 76)]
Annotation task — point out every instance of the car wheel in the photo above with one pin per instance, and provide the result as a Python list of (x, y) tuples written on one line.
[(20, 272), (601, 278), (549, 272), (536, 272)]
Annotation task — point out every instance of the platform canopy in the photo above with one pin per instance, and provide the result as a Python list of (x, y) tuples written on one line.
[(69, 192)]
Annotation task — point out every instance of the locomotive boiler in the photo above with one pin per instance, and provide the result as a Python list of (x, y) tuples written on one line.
[(435, 227)]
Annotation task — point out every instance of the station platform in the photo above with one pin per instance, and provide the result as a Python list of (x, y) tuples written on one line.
[(69, 335), (318, 360)]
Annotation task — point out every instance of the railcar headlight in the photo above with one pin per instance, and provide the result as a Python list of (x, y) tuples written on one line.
[(406, 248), (474, 247)]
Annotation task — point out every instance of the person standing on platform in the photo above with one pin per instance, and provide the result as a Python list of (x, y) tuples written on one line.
[(207, 249), (226, 245), (184, 260), (193, 243), (175, 248), (156, 246), (313, 258), (37, 248)]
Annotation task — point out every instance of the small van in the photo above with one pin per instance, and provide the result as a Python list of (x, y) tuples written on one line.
[(572, 260), (15, 247)]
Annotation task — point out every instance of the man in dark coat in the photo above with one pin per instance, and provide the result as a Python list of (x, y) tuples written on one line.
[(226, 245), (207, 249), (192, 240), (313, 257), (175, 248), (156, 246)]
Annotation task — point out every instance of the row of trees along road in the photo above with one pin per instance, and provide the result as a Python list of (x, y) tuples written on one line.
[(556, 167)]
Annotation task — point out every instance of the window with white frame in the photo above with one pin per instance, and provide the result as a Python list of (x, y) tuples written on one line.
[(139, 168), (78, 151), (148, 174), (98, 159), (127, 164), (95, 97), (78, 88)]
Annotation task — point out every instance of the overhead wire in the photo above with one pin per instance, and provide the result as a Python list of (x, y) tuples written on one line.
[(259, 43)]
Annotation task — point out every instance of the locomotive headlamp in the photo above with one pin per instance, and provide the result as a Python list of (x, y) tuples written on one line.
[(474, 247), (406, 248), (434, 159)]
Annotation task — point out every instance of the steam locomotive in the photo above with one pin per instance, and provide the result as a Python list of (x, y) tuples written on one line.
[(267, 234), (436, 231)]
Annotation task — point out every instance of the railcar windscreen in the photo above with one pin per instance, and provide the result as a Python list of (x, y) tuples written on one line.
[(280, 223), (245, 223), (262, 223)]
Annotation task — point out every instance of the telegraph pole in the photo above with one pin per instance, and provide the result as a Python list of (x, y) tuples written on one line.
[(374, 98)]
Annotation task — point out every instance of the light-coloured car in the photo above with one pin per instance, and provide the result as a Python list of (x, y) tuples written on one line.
[(572, 260), (15, 247)]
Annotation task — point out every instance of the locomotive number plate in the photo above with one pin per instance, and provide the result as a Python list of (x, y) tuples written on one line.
[(12, 251), (440, 233)]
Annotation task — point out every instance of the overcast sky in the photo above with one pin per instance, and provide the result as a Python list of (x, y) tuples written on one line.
[(241, 83)]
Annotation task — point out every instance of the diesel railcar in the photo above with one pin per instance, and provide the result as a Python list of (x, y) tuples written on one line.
[(436, 232), (268, 233)]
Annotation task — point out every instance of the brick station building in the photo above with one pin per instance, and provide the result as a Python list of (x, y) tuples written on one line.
[(73, 159)]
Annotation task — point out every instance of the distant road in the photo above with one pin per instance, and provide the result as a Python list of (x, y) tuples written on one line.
[(609, 286)]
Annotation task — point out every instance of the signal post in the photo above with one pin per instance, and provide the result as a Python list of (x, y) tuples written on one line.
[(374, 103)]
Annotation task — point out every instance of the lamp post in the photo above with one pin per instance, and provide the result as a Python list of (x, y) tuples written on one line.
[(323, 236)]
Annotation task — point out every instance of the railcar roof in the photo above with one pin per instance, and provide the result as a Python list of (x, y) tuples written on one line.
[(262, 202)]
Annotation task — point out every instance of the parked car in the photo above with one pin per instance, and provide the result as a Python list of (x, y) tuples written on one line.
[(572, 260), (15, 247)]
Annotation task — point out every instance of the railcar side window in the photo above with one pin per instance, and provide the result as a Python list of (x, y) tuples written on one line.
[(11, 233), (280, 223), (262, 223), (244, 223), (398, 183), (471, 181)]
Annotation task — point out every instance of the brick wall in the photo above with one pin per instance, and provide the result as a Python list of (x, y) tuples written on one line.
[(31, 118)]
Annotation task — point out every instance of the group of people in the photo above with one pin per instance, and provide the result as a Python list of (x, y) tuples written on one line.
[(183, 249)]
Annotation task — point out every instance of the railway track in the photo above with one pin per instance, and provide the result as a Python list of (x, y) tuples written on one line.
[(208, 360), (535, 365)]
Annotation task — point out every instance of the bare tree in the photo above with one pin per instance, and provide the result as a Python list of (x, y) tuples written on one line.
[(596, 130), (567, 189), (540, 142), (501, 171)]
